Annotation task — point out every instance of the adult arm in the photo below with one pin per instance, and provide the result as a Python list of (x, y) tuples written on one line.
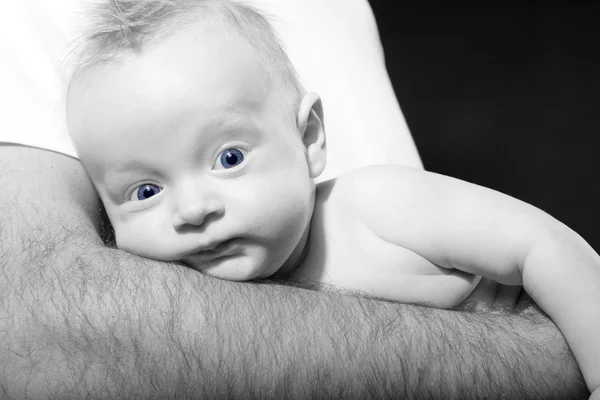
[(80, 319)]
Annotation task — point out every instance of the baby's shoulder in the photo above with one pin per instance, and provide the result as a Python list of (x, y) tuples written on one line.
[(365, 187), (338, 194), (336, 204)]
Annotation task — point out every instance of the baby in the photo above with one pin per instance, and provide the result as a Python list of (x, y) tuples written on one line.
[(203, 146)]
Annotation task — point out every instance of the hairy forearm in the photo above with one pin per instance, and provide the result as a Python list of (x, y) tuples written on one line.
[(81, 319), (167, 331)]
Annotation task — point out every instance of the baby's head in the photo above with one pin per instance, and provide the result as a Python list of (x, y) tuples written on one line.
[(190, 120)]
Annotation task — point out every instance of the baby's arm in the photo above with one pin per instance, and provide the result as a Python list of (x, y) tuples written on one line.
[(463, 226)]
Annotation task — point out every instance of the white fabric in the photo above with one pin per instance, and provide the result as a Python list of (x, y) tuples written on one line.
[(334, 45), (34, 40)]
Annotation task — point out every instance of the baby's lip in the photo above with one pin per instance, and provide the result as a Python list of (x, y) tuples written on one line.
[(213, 250), (209, 247)]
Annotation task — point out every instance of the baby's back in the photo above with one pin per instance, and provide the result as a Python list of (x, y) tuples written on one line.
[(346, 253)]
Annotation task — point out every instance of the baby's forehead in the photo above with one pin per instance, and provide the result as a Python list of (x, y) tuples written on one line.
[(121, 37), (209, 21)]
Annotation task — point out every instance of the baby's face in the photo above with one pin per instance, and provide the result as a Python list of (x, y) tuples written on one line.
[(193, 161)]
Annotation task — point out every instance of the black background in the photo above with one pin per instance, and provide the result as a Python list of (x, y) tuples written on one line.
[(506, 96)]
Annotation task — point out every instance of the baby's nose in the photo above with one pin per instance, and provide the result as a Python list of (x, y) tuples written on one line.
[(196, 210)]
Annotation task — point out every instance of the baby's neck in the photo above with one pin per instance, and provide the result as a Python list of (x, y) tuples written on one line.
[(296, 258), (300, 254)]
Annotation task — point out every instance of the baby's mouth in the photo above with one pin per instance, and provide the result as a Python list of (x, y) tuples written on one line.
[(219, 250)]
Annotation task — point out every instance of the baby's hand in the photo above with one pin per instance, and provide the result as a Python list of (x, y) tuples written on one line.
[(595, 394)]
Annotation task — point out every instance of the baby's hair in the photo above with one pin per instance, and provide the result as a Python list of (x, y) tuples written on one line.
[(120, 28)]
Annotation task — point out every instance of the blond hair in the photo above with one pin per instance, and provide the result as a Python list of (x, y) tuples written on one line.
[(121, 27)]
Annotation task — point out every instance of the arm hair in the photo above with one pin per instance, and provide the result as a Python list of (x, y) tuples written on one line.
[(79, 319)]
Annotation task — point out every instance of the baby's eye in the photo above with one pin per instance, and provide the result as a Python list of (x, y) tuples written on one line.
[(146, 191), (231, 157)]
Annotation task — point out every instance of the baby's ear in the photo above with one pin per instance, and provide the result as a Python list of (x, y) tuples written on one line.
[(310, 125)]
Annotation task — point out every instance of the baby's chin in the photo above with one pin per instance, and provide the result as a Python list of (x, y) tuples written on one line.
[(229, 267)]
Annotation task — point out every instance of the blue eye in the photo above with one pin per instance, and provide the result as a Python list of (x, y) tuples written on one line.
[(146, 191), (231, 157)]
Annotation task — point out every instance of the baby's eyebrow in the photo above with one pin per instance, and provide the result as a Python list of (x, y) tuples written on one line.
[(237, 126), (121, 167), (231, 119), (121, 175)]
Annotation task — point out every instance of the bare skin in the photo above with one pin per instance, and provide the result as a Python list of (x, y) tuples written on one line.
[(81, 319), (431, 238)]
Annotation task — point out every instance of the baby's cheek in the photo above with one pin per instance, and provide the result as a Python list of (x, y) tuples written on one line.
[(144, 240), (128, 240)]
